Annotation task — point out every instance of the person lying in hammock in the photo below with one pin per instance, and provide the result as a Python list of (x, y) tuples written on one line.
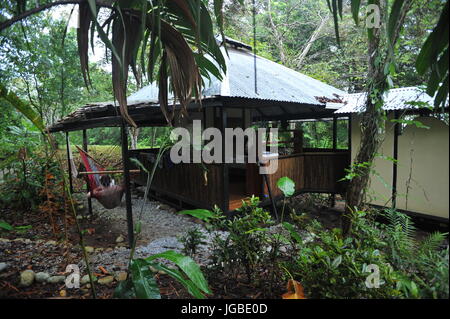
[(107, 193)]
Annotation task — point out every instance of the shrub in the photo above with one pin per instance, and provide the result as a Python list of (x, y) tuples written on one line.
[(332, 266)]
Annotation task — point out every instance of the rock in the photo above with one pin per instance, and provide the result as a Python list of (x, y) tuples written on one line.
[(63, 293), (89, 249), (120, 239), (26, 278), (164, 207), (52, 242), (121, 276), (3, 266), (56, 279), (85, 279), (42, 277), (4, 240), (106, 280), (98, 250)]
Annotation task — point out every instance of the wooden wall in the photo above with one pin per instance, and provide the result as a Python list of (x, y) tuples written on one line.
[(185, 182), (314, 172)]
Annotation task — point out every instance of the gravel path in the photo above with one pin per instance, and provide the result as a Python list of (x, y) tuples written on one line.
[(161, 229)]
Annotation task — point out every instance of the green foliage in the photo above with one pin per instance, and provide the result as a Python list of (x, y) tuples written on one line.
[(23, 184), (330, 265), (142, 284), (191, 240), (244, 248), (287, 186), (203, 214), (5, 226)]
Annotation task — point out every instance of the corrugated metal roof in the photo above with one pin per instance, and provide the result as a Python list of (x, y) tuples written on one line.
[(394, 99), (274, 82)]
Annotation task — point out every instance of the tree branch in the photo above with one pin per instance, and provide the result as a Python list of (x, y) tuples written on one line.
[(26, 14)]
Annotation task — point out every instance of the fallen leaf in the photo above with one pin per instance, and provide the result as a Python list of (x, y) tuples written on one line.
[(103, 270), (295, 290)]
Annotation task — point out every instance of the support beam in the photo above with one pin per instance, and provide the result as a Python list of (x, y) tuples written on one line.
[(69, 164), (225, 170), (85, 148), (334, 133), (395, 157), (126, 181)]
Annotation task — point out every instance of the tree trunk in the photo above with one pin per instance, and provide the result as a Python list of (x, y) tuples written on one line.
[(312, 39), (372, 119), (134, 134)]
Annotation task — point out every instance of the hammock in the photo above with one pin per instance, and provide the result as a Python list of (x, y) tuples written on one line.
[(101, 186)]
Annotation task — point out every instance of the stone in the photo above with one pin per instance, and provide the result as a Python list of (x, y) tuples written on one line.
[(89, 249), (4, 240), (3, 266), (98, 250), (26, 278), (163, 207), (52, 242), (120, 239), (106, 280), (42, 277), (121, 276), (85, 279), (56, 279)]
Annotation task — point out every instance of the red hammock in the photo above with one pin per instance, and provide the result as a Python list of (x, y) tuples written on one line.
[(101, 188)]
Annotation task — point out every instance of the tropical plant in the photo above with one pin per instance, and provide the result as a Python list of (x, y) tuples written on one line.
[(191, 240), (287, 187), (172, 36), (141, 282), (329, 265)]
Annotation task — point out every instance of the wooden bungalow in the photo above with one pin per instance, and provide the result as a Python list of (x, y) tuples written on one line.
[(254, 90), (411, 171)]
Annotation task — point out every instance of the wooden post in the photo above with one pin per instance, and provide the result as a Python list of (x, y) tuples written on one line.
[(298, 141), (126, 181), (69, 163), (85, 148), (334, 133), (395, 156), (349, 138), (225, 170)]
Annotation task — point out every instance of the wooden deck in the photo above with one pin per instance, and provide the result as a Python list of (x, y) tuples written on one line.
[(237, 195), (186, 183)]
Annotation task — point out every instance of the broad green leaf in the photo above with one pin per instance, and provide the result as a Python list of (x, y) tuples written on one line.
[(5, 226), (355, 10), (187, 265), (22, 107), (287, 186), (144, 283), (177, 275), (293, 232), (202, 214)]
